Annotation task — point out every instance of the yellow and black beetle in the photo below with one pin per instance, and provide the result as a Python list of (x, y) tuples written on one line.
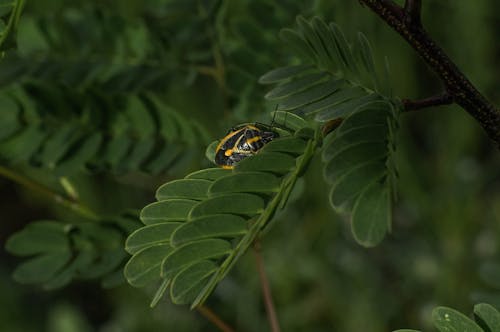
[(242, 141)]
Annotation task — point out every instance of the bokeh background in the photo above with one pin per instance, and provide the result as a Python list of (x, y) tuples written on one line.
[(444, 246)]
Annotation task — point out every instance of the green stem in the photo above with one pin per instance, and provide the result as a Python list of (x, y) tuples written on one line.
[(13, 20), (48, 192)]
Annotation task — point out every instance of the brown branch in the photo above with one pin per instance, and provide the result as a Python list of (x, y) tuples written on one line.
[(214, 319), (413, 9), (438, 100), (456, 83), (266, 290)]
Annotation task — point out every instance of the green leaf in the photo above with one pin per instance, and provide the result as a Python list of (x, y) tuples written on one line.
[(449, 320), (167, 210), (355, 155), (145, 266), (339, 96), (487, 317), (141, 150), (82, 261), (343, 48), (116, 150), (367, 59), (240, 203), (213, 226), (297, 42), (56, 145), (210, 174), (41, 268), (9, 113), (195, 189), (22, 145), (328, 42), (295, 86), (275, 162), (38, 237), (163, 158), (351, 144), (406, 330), (210, 151), (159, 293), (358, 163), (107, 243), (371, 215), (73, 162), (344, 108), (386, 88), (283, 73), (190, 281), (346, 190), (378, 112), (249, 182), (290, 145), (288, 120), (234, 203), (191, 253), (314, 41), (150, 235), (310, 95)]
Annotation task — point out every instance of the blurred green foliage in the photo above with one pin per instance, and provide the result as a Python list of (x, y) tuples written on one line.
[(203, 59)]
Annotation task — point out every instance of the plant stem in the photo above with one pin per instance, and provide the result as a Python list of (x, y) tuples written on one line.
[(463, 92), (48, 192), (438, 100), (266, 289), (413, 9), (213, 318)]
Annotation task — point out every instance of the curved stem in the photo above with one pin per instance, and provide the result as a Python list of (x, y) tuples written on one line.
[(413, 9), (48, 192), (463, 92), (212, 317), (438, 100), (266, 289)]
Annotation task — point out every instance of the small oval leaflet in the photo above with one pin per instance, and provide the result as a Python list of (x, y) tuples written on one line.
[(195, 189), (209, 173), (275, 162), (213, 226), (150, 235), (191, 253), (167, 210), (189, 282), (145, 266), (248, 182), (234, 203)]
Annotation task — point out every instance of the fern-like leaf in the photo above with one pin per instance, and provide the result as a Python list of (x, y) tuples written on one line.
[(339, 78), (340, 81), (60, 252), (139, 133), (203, 223)]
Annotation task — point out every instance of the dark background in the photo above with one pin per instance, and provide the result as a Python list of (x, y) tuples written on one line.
[(445, 238)]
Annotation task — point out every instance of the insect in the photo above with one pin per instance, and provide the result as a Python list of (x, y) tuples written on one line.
[(242, 141)]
